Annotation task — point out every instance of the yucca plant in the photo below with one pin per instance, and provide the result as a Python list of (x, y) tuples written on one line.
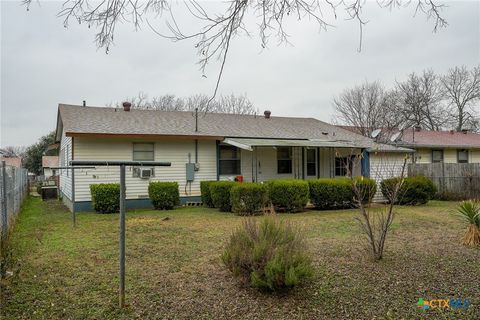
[(470, 212)]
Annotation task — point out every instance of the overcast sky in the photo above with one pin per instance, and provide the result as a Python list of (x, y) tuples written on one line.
[(43, 63)]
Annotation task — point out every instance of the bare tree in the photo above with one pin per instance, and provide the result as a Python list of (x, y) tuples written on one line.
[(375, 222), (223, 104), (14, 151), (420, 101), (461, 88), (367, 107), (212, 40)]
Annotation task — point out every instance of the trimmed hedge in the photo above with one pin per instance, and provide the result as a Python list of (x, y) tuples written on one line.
[(338, 193), (367, 188), (414, 190), (248, 198), (331, 193), (220, 193), (105, 197), (164, 195), (206, 195), (289, 194)]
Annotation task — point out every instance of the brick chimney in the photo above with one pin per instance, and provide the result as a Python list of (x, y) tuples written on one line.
[(126, 106), (267, 114)]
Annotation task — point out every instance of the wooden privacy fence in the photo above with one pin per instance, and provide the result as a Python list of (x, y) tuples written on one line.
[(461, 179)]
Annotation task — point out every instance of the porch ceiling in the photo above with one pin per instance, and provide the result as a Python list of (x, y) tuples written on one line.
[(248, 144)]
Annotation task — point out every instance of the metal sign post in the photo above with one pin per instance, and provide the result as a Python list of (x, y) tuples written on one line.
[(121, 164)]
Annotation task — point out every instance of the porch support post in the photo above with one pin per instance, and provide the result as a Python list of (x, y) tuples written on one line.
[(365, 163), (218, 159), (253, 161), (303, 163)]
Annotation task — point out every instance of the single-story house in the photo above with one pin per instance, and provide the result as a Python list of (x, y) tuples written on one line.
[(49, 162), (432, 146), (207, 146), (441, 146)]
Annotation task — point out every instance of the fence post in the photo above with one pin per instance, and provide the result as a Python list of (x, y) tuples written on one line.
[(4, 201)]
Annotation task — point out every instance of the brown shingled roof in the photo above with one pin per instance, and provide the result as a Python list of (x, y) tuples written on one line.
[(100, 120)]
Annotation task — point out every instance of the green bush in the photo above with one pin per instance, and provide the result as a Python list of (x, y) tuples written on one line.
[(38, 187), (205, 192), (164, 195), (331, 193), (105, 197), (367, 188), (413, 191), (220, 193), (248, 198), (270, 255), (291, 195)]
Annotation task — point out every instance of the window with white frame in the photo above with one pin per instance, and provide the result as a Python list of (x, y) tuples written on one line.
[(284, 160), (143, 151), (229, 160)]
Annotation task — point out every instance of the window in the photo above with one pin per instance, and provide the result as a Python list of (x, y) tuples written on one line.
[(229, 160), (462, 156), (284, 160), (341, 166), (311, 162), (143, 152), (437, 156)]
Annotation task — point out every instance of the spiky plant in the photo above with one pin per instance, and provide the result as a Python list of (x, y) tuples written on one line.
[(470, 212)]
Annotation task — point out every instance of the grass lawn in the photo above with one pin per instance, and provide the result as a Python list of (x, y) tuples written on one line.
[(174, 269)]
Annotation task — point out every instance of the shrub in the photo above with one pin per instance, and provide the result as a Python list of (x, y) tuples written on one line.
[(469, 211), (105, 197), (292, 195), (248, 198), (270, 255), (331, 193), (164, 195), (367, 188), (206, 194), (413, 191), (449, 196), (220, 192), (38, 187)]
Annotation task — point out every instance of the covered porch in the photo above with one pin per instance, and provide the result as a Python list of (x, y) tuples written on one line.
[(257, 160)]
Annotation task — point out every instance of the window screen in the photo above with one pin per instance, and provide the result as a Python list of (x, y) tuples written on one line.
[(311, 162), (284, 160), (462, 156), (341, 164), (143, 152), (229, 160), (437, 156)]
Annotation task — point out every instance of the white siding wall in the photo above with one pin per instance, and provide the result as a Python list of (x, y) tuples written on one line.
[(384, 166), (175, 152), (64, 159)]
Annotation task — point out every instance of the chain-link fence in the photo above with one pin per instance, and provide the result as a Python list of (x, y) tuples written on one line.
[(13, 190)]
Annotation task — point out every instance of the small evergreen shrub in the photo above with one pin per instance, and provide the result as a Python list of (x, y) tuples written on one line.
[(367, 188), (248, 198), (105, 197), (331, 193), (220, 193), (413, 191), (205, 192), (164, 195), (271, 254), (291, 195)]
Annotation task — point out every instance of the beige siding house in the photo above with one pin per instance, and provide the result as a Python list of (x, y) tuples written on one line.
[(215, 146)]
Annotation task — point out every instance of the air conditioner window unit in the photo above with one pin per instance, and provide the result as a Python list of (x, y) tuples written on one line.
[(145, 173)]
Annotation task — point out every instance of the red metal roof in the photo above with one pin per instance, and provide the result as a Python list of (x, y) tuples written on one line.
[(450, 139)]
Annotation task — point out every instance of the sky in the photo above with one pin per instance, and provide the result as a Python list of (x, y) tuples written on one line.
[(44, 64)]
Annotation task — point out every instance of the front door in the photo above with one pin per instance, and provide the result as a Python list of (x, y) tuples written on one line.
[(310, 163)]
